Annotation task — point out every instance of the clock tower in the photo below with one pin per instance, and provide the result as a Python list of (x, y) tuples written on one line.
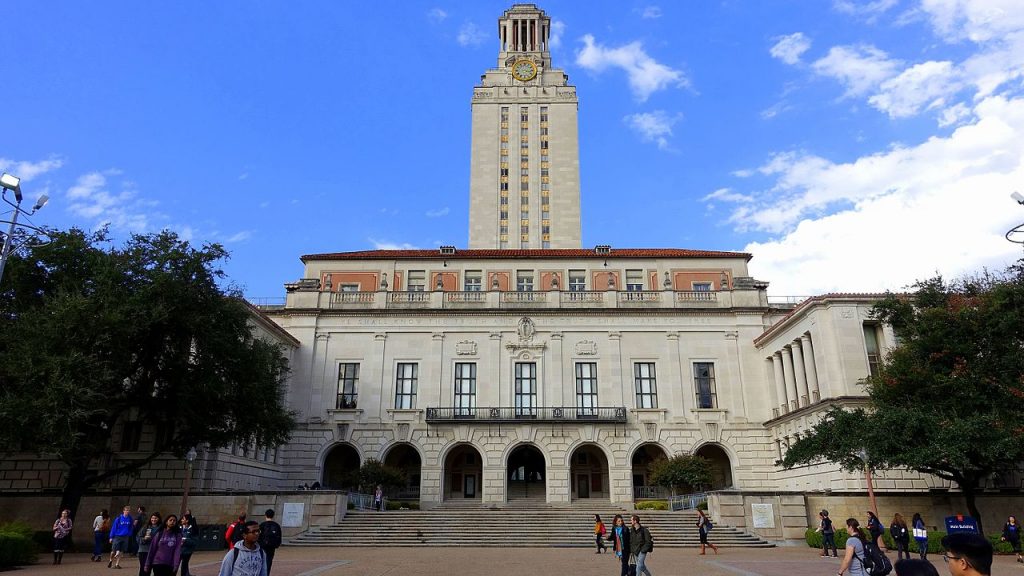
[(524, 190)]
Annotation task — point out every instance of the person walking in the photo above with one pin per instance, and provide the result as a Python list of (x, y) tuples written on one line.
[(378, 498), (189, 541), (641, 544), (270, 537), (121, 532), (901, 536), (245, 558), (137, 526), (920, 535), (599, 532), (146, 541), (875, 530), (703, 527), (61, 535), (1011, 534), (235, 531), (856, 548), (100, 527), (619, 537), (165, 549), (828, 534)]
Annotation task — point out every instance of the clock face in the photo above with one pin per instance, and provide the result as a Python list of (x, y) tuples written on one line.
[(524, 70)]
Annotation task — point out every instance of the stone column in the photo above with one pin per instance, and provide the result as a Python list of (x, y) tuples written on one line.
[(444, 397), (674, 386), (381, 369), (780, 383), (497, 368), (319, 376), (553, 373), (798, 372), (615, 345), (810, 368), (787, 371)]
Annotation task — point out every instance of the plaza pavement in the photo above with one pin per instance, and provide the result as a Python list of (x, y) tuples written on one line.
[(790, 561)]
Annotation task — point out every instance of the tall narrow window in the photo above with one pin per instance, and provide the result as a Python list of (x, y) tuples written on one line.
[(524, 281), (348, 382), (577, 280), (586, 389), (526, 389), (465, 389), (704, 381), (406, 375), (634, 280), (417, 280), (646, 385), (473, 280), (874, 351)]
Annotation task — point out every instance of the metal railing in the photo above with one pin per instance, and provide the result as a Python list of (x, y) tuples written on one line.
[(267, 301), (687, 501), (649, 492), (513, 414), (364, 501)]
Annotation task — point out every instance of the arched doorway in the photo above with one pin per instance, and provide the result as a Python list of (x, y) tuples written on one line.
[(341, 468), (526, 474), (643, 458), (588, 473), (463, 473), (405, 458), (721, 467)]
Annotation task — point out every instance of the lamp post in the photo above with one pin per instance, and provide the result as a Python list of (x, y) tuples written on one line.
[(863, 455), (9, 182), (1016, 234), (190, 457)]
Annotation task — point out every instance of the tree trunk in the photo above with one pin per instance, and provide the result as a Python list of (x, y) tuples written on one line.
[(78, 480), (972, 505)]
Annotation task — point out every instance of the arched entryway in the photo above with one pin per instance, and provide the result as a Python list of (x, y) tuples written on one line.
[(721, 467), (588, 473), (463, 473), (643, 458), (341, 468), (405, 458), (526, 474)]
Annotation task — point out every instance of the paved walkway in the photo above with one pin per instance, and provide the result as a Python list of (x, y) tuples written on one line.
[(502, 562)]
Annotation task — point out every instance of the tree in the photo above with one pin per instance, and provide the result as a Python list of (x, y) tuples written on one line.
[(373, 472), (948, 400), (676, 472), (90, 334)]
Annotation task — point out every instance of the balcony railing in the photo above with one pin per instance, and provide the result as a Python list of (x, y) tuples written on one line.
[(512, 414)]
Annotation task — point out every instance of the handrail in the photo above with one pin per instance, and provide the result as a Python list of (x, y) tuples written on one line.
[(687, 501), (514, 414)]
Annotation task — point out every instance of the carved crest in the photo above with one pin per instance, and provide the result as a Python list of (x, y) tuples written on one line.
[(465, 348), (586, 348), (526, 329)]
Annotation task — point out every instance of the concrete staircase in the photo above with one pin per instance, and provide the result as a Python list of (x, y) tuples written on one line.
[(512, 526)]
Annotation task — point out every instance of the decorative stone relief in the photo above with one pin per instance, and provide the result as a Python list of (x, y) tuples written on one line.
[(651, 429), (586, 348), (403, 431), (526, 329), (710, 431), (465, 348), (847, 313)]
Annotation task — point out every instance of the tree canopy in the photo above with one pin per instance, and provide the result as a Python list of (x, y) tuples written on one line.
[(92, 335), (682, 471), (948, 399)]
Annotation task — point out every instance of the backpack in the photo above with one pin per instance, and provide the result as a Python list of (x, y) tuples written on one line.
[(875, 562), (708, 525), (270, 535)]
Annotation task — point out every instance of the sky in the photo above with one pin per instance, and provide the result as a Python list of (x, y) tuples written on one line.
[(849, 146)]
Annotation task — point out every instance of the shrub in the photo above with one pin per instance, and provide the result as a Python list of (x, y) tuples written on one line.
[(652, 505), (814, 540), (16, 545), (703, 506), (399, 504)]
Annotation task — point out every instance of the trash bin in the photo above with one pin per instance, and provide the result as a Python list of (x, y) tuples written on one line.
[(211, 537)]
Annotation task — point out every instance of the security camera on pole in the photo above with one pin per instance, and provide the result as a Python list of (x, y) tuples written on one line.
[(11, 183)]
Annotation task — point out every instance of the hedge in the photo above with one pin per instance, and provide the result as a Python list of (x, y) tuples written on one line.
[(652, 505), (16, 545), (814, 540)]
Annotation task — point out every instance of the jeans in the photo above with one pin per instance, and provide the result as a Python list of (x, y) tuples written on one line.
[(600, 542), (626, 567), (902, 547), (641, 567), (269, 552), (162, 570), (828, 541), (922, 548), (142, 563), (99, 539), (184, 564)]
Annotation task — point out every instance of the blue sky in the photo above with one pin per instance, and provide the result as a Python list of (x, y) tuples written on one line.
[(850, 146)]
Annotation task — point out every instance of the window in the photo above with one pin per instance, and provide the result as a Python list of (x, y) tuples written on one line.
[(634, 280), (704, 381), (702, 286), (417, 280), (646, 385), (405, 385), (348, 381), (586, 389), (348, 288), (131, 434), (874, 351), (524, 281), (164, 435), (577, 280), (473, 281), (465, 388), (526, 389)]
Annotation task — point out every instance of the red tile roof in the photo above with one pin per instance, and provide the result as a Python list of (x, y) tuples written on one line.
[(564, 253)]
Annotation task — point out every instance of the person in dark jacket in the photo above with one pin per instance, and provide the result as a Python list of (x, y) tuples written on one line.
[(270, 537), (189, 541), (875, 530), (901, 536), (1011, 534), (640, 544), (828, 534), (619, 537), (920, 535)]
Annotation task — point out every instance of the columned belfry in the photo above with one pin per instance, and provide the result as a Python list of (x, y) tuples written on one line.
[(524, 171)]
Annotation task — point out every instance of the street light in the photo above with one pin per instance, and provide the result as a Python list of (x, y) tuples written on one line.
[(190, 457), (863, 455), (10, 182), (1015, 234)]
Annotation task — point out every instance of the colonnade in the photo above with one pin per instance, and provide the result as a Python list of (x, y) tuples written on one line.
[(796, 375)]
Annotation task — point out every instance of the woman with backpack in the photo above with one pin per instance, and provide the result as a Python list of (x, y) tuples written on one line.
[(856, 548), (1011, 534), (920, 535), (875, 530), (901, 536), (703, 527), (828, 533), (189, 541), (165, 549), (599, 531)]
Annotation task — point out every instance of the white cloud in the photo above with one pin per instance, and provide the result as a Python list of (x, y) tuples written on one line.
[(557, 30), (954, 115), (388, 245), (860, 68), (925, 85), (28, 170), (437, 15), (438, 212), (90, 199), (885, 220), (645, 74), (868, 10), (727, 195), (651, 12), (789, 48), (653, 126), (470, 35), (975, 20), (239, 237)]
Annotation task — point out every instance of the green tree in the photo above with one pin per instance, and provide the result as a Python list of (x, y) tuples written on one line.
[(948, 400), (374, 472), (684, 470), (91, 333)]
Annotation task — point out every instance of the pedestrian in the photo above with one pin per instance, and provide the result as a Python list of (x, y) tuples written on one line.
[(703, 527), (914, 568), (146, 541), (121, 533), (270, 537), (235, 531), (165, 549), (967, 554), (1011, 534), (920, 535), (620, 543), (245, 558), (875, 530), (599, 532), (61, 535), (900, 535), (137, 526), (828, 534), (856, 548), (378, 498), (641, 544), (189, 541), (100, 527)]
